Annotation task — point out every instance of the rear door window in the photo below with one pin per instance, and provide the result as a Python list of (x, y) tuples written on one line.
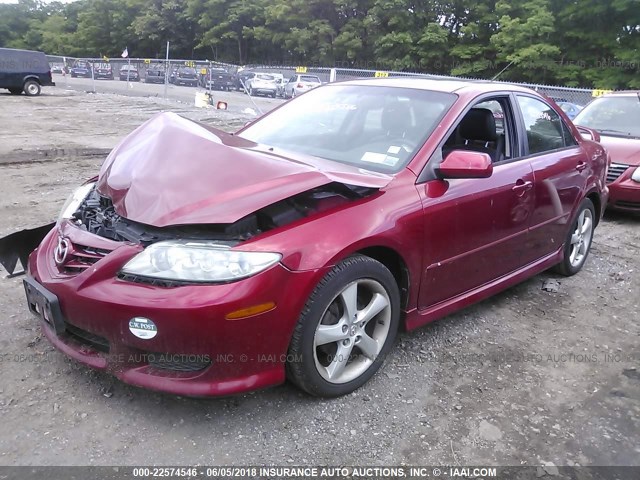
[(545, 129)]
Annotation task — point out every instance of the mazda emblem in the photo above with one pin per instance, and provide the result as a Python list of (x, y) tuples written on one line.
[(62, 250)]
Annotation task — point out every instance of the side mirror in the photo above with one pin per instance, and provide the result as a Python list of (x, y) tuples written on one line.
[(588, 133), (465, 164)]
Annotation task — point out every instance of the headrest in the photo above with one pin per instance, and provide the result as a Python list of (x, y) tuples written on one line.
[(479, 124)]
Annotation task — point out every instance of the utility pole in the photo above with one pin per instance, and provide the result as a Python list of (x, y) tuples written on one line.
[(166, 72)]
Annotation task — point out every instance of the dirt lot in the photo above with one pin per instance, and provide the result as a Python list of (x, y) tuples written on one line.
[(527, 377)]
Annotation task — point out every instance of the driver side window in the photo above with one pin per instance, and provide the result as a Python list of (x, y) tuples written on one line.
[(484, 128)]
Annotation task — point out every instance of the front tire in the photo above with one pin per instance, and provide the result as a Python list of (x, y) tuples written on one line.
[(346, 328), (578, 242), (31, 88)]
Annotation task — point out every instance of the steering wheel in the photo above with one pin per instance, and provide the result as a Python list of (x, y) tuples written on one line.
[(405, 143)]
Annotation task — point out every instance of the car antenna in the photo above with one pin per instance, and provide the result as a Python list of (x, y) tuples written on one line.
[(501, 72)]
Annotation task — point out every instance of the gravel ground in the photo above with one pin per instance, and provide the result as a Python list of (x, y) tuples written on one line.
[(527, 377)]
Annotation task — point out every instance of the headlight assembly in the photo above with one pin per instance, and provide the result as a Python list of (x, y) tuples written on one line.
[(74, 201), (636, 175), (198, 262)]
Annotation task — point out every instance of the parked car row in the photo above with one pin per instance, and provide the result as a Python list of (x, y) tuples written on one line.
[(274, 84), (214, 78)]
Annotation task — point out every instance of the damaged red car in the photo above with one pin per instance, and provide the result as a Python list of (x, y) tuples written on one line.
[(204, 263)]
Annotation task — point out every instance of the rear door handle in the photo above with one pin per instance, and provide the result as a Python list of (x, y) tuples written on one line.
[(521, 187), (581, 166)]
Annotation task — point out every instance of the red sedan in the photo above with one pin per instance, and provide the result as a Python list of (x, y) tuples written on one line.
[(203, 263), (616, 117)]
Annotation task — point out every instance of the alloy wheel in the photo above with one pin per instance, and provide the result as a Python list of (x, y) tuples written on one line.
[(352, 331), (581, 238)]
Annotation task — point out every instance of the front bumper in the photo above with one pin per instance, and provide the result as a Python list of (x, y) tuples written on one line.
[(220, 84), (264, 91), (186, 82), (624, 193), (232, 356)]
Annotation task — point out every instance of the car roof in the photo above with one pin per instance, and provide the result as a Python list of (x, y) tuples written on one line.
[(441, 85)]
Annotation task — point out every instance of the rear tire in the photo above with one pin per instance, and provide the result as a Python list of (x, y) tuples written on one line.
[(578, 241), (32, 88), (346, 328)]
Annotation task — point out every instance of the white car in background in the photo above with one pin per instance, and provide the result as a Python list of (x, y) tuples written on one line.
[(299, 84), (262, 84)]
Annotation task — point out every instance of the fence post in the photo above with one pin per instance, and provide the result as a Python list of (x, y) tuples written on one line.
[(93, 76), (332, 75)]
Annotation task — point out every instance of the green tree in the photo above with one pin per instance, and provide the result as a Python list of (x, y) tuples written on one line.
[(165, 20), (524, 40)]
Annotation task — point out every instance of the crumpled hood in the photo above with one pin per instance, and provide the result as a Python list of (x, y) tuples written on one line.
[(174, 171), (622, 150)]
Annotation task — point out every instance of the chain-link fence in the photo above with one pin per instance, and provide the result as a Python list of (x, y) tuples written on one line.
[(220, 76), (119, 68), (576, 96)]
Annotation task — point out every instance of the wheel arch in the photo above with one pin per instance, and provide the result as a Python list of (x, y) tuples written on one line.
[(391, 259), (595, 198), (31, 77)]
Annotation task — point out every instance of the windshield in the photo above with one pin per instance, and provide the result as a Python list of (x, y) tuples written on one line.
[(267, 78), (371, 127), (615, 116), (309, 78)]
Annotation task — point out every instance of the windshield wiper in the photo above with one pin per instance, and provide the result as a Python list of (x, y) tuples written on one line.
[(617, 132)]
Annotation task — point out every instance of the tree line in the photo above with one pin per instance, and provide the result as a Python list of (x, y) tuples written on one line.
[(590, 43)]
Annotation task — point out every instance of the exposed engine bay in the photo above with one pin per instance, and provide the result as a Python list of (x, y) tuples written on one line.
[(97, 215)]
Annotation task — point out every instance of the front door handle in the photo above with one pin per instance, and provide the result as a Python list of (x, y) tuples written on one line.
[(581, 166), (521, 187)]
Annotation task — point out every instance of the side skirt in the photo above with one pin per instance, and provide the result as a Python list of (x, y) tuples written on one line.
[(416, 318)]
